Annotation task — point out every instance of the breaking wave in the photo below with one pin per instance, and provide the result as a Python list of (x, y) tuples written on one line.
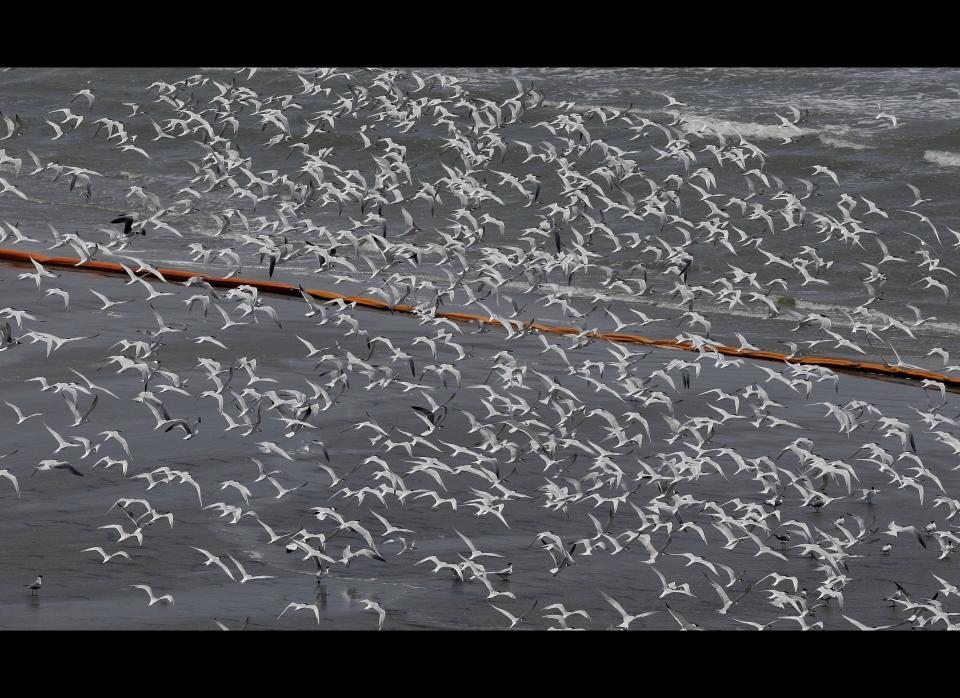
[(942, 157)]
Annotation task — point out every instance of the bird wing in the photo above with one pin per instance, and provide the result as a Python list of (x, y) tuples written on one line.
[(613, 602), (509, 615), (466, 540), (530, 610), (239, 566), (90, 409), (12, 478), (858, 624), (723, 594), (312, 607), (663, 580)]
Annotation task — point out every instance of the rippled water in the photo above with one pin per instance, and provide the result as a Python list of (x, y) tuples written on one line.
[(56, 517), (839, 130)]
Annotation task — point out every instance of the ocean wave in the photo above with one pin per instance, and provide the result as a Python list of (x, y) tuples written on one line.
[(833, 311), (942, 157), (835, 142), (747, 129), (829, 135)]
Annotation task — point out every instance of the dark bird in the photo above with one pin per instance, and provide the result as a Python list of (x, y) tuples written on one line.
[(128, 219)]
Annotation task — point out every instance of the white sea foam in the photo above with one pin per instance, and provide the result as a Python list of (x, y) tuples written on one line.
[(801, 307), (835, 142), (828, 135), (746, 129), (942, 157)]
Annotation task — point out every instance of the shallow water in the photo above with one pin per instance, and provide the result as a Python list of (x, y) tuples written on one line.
[(58, 514)]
